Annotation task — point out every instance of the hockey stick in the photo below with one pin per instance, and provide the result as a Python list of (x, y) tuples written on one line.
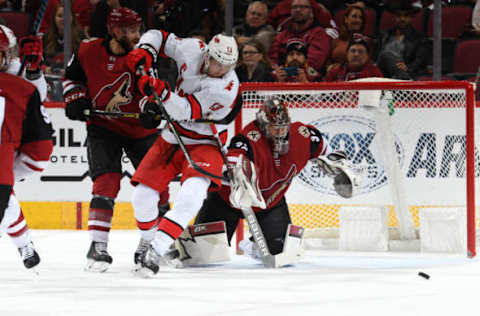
[(267, 258), (36, 27), (226, 120), (257, 233), (173, 129)]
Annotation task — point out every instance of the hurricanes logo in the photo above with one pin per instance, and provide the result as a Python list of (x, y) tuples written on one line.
[(115, 94)]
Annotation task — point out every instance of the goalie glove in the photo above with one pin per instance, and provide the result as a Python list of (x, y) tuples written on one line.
[(347, 177), (245, 192)]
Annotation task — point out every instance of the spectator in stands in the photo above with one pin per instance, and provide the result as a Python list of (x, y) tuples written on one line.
[(254, 65), (353, 22), (83, 10), (255, 26), (358, 64), (296, 67), (33, 6), (401, 50), (302, 26), (53, 41), (281, 15)]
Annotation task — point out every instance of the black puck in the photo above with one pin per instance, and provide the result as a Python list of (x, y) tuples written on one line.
[(424, 275)]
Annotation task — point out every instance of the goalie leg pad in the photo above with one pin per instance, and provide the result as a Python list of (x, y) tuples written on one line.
[(293, 250), (203, 244)]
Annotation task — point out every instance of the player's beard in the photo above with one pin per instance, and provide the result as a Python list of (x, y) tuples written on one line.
[(126, 45)]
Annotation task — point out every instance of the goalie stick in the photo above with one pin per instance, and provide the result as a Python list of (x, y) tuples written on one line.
[(36, 27), (257, 233), (267, 258)]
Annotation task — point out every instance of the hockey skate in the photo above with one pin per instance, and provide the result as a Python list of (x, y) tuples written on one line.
[(98, 259), (150, 263), (29, 256), (140, 253)]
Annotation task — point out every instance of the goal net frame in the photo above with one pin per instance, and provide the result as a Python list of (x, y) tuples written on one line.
[(376, 86)]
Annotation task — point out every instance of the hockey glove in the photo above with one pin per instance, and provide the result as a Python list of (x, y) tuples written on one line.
[(147, 85), (150, 117), (76, 104), (31, 48), (144, 56)]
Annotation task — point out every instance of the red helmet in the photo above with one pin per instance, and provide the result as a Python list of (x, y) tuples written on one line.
[(122, 17)]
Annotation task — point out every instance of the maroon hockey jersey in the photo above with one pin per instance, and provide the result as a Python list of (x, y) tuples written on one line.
[(25, 127), (275, 174), (111, 86)]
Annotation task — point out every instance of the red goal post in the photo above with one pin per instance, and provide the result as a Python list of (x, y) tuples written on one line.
[(433, 128)]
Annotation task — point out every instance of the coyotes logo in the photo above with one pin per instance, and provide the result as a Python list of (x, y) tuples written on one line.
[(115, 94)]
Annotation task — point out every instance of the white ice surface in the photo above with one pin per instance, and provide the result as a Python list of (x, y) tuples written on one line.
[(325, 283)]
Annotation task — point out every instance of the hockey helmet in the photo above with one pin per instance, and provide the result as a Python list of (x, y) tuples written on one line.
[(224, 50), (274, 121), (8, 44), (122, 17)]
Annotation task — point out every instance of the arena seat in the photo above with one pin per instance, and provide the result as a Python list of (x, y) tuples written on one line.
[(18, 21)]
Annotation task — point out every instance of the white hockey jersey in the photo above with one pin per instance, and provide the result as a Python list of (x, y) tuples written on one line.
[(40, 83), (196, 94)]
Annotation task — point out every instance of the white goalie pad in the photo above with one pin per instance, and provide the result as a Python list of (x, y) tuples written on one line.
[(292, 253), (204, 244), (245, 192), (347, 176), (293, 250)]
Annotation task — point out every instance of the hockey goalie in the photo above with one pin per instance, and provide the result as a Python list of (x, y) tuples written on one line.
[(264, 158)]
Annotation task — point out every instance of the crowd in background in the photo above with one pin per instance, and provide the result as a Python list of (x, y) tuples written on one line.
[(279, 40)]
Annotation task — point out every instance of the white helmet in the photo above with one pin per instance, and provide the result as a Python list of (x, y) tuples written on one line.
[(10, 53), (223, 49)]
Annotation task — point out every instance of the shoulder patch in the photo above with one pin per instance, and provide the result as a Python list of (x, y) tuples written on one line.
[(303, 130), (254, 135), (216, 106), (229, 86)]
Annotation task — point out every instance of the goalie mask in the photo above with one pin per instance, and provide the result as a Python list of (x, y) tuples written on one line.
[(8, 45), (274, 121)]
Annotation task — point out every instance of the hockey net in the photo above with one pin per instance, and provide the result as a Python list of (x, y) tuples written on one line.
[(426, 128)]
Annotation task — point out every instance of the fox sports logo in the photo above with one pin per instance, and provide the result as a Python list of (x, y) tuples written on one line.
[(357, 137)]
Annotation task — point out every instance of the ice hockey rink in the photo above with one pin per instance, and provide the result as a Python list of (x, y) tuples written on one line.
[(324, 283)]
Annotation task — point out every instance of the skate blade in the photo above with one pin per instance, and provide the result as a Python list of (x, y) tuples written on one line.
[(96, 266), (143, 272), (175, 263), (34, 272)]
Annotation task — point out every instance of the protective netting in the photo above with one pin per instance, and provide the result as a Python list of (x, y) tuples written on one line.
[(428, 122)]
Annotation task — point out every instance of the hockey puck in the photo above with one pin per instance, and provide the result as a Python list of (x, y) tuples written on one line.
[(424, 275)]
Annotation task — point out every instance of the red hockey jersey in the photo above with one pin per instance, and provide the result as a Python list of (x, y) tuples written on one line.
[(110, 84), (25, 127), (275, 174)]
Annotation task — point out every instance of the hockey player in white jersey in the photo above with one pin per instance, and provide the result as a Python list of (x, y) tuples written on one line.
[(207, 88), (29, 47)]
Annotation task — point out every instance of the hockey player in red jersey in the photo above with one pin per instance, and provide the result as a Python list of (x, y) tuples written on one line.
[(29, 48), (206, 89), (98, 78), (25, 147), (279, 150)]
